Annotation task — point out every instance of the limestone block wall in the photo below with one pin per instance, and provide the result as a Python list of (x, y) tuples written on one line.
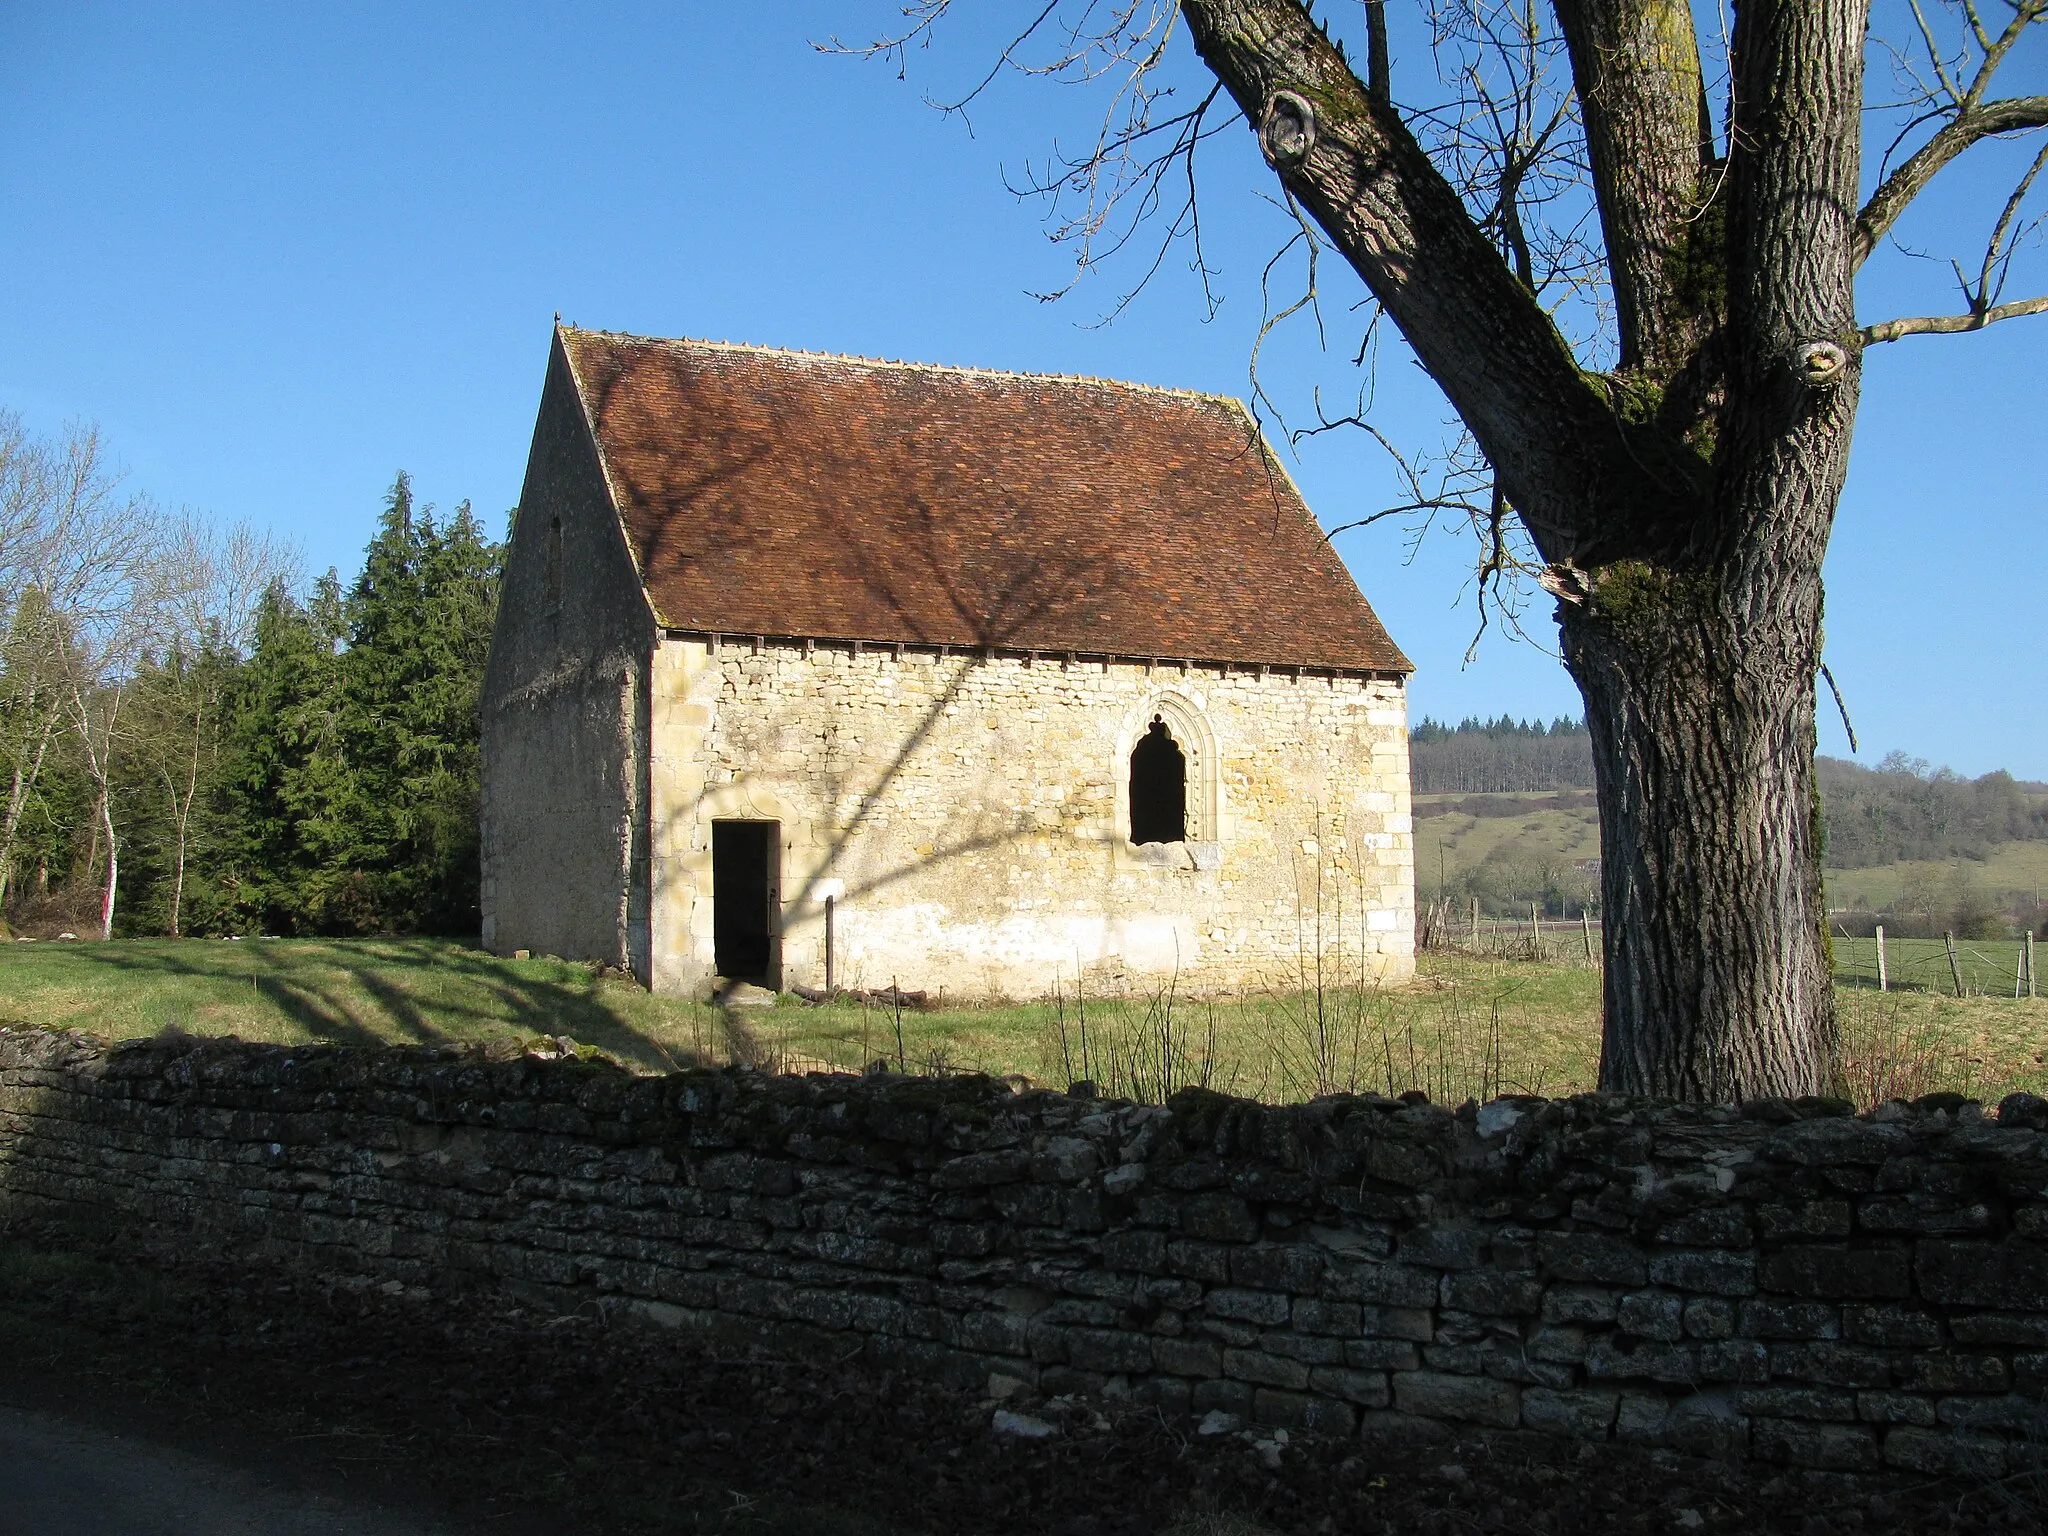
[(969, 817), (1783, 1281), (563, 708)]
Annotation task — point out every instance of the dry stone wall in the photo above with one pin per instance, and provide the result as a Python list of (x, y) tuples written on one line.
[(1784, 1281)]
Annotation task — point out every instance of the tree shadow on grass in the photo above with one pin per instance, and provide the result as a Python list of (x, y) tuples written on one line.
[(356, 992)]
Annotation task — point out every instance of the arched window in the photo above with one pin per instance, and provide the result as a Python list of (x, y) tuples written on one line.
[(1159, 787)]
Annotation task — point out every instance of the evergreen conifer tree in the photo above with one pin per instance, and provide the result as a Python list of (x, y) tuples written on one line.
[(420, 620), (282, 768)]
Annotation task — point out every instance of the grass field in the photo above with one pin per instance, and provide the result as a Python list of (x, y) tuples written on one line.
[(1469, 1026), (2015, 866), (1446, 844), (359, 992)]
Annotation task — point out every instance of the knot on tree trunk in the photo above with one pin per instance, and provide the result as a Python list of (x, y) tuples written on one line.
[(1287, 130), (1822, 364)]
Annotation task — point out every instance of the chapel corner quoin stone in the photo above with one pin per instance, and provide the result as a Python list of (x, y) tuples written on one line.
[(812, 670), (1783, 1282)]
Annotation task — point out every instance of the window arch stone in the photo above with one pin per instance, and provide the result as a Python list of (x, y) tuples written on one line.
[(1187, 724)]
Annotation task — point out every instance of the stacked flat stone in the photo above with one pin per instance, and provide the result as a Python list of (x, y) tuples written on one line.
[(1785, 1281)]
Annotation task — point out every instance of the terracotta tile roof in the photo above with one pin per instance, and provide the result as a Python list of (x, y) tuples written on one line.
[(789, 493)]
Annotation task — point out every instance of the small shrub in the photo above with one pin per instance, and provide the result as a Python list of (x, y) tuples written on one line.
[(1887, 1052)]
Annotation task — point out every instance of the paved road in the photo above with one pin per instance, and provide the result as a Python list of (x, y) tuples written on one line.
[(58, 1478)]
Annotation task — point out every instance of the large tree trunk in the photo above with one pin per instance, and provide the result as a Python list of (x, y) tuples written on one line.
[(1681, 502), (1717, 983)]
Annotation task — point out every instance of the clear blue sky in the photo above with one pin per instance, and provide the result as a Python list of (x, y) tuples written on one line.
[(280, 251)]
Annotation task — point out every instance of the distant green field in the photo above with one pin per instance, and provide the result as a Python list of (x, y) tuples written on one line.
[(1468, 1027), (2011, 867), (1458, 841), (1446, 844)]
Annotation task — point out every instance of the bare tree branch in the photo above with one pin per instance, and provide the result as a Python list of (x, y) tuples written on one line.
[(1113, 214), (1943, 325), (1970, 118), (1379, 69), (1982, 296), (1640, 89), (1374, 190), (2013, 115)]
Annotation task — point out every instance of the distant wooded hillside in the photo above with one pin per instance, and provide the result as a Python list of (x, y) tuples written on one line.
[(1505, 817), (1903, 809), (1496, 757)]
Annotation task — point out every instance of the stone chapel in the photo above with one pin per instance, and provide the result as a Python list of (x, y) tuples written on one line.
[(813, 667)]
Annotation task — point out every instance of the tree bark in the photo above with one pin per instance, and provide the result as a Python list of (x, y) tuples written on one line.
[(1636, 67), (1717, 983), (1698, 673), (181, 817), (182, 802), (178, 888), (113, 868)]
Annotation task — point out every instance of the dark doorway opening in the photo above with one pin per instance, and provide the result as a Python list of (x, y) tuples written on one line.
[(1159, 787), (746, 870)]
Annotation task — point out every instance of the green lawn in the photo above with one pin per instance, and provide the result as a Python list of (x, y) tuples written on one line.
[(1469, 1027), (356, 992)]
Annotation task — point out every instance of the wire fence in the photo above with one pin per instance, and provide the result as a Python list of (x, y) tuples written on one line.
[(1956, 967), (1446, 927)]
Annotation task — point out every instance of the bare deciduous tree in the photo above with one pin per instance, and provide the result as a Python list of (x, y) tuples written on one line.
[(29, 715), (1646, 323), (98, 567), (210, 584)]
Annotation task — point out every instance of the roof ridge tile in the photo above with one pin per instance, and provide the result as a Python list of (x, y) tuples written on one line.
[(972, 370)]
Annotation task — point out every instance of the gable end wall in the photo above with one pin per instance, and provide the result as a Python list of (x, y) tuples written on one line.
[(564, 713)]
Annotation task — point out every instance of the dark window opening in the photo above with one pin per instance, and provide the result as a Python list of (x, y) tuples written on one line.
[(745, 870), (1159, 787)]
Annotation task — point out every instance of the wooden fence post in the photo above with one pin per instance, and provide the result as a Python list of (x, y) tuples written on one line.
[(1586, 926), (1536, 928), (2031, 992), (1475, 922), (1883, 984), (1955, 969)]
